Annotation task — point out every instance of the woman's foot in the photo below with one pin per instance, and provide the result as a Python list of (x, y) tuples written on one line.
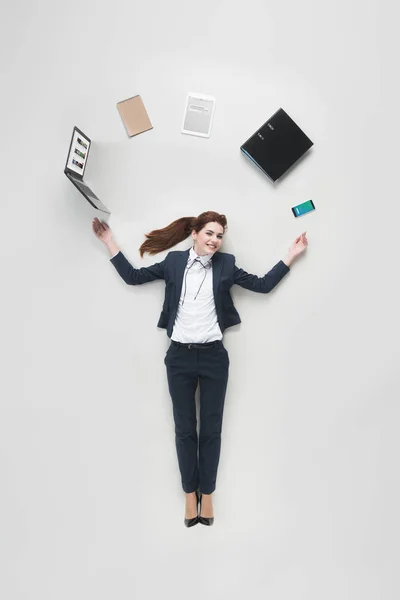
[(206, 516), (191, 506), (207, 506)]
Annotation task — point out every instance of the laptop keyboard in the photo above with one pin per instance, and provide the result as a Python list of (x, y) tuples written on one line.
[(85, 188), (91, 195)]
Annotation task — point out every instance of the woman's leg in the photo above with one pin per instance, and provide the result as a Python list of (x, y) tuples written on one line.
[(213, 376), (182, 382)]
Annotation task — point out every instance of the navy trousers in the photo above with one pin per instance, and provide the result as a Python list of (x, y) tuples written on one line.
[(188, 366)]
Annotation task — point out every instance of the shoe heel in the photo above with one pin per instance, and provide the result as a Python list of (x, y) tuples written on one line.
[(205, 520), (192, 522)]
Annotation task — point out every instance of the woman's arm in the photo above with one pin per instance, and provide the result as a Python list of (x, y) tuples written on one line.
[(102, 231), (112, 248), (133, 276), (263, 285), (298, 246), (267, 283), (129, 274)]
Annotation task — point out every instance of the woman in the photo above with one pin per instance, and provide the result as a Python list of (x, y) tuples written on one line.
[(197, 309)]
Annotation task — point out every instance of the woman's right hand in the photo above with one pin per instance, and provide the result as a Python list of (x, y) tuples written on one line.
[(101, 230)]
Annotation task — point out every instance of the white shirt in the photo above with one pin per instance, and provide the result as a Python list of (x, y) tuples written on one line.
[(196, 320)]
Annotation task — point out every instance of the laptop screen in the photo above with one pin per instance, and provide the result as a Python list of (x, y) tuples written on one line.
[(78, 153)]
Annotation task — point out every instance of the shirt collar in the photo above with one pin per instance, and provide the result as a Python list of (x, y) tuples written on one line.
[(204, 259)]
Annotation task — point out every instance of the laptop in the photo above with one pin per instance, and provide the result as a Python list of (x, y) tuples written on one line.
[(75, 168), (277, 145)]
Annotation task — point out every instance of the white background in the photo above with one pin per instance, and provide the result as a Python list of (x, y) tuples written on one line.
[(307, 496)]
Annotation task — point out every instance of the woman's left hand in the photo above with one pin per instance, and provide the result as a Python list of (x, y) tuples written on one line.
[(298, 246)]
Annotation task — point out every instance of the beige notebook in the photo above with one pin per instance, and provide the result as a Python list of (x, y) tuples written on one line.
[(134, 115)]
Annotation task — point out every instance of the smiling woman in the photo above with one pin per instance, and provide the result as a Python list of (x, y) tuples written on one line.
[(205, 225), (197, 309), (208, 238)]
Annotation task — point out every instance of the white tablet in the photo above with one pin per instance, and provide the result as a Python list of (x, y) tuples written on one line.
[(199, 114)]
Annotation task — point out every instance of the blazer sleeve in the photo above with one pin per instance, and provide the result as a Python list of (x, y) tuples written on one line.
[(133, 276), (263, 285)]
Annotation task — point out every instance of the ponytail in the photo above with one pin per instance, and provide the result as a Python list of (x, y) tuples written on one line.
[(177, 231)]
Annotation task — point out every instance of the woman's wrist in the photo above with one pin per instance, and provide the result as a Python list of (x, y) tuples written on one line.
[(112, 247), (288, 260)]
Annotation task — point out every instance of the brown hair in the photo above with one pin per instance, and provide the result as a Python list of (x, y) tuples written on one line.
[(163, 239)]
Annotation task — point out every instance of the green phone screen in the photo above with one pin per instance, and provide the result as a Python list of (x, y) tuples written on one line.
[(303, 208)]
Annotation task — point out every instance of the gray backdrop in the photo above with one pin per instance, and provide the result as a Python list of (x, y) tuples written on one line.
[(307, 497)]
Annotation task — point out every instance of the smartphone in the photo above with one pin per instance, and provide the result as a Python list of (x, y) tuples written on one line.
[(302, 209)]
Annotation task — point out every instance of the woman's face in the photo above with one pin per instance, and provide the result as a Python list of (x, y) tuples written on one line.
[(209, 239)]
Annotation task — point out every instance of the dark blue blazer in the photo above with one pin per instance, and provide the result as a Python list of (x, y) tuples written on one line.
[(225, 274)]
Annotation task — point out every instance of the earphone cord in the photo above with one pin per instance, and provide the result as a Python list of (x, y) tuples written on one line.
[(205, 275)]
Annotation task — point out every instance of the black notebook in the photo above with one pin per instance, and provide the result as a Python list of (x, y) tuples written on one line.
[(277, 145)]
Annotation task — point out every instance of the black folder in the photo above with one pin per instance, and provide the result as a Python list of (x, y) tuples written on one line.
[(277, 145)]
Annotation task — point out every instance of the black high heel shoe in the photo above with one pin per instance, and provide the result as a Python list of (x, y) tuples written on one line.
[(205, 520), (194, 520)]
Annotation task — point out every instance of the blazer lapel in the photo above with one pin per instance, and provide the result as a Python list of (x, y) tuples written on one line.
[(180, 265), (217, 262)]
